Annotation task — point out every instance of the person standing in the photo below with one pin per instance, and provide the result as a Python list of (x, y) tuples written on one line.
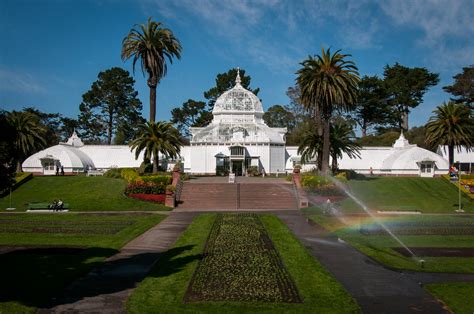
[(62, 170)]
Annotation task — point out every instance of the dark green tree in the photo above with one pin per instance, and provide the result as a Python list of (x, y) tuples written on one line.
[(192, 113), (52, 122), (372, 107), (406, 87), (328, 82), (109, 105), (278, 116), (7, 152), (224, 82), (154, 138), (30, 135), (463, 87), (452, 125), (152, 45), (67, 127)]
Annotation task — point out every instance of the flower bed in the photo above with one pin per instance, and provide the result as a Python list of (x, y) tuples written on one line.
[(157, 198), (240, 263)]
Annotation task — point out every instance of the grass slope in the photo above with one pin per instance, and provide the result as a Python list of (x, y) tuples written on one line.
[(165, 287), (31, 277), (455, 295), (428, 195), (82, 193), (380, 247)]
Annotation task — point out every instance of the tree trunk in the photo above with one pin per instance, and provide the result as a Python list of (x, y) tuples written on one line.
[(156, 161), (18, 167), (319, 160), (317, 116), (364, 130), (152, 103), (451, 154), (326, 144), (405, 119), (109, 131), (334, 163)]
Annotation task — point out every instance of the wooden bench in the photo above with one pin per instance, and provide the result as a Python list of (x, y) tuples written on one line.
[(33, 206)]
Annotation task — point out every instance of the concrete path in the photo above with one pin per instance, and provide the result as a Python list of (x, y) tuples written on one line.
[(376, 288), (105, 289)]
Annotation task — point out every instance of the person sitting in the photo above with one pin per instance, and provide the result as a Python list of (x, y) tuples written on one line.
[(59, 205)]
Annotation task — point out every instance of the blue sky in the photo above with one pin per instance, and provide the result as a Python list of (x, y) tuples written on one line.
[(52, 50)]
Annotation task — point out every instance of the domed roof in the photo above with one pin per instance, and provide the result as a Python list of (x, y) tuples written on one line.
[(237, 100), (70, 157)]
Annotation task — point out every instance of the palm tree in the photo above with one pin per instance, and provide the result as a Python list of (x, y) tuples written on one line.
[(30, 134), (453, 125), (341, 141), (152, 44), (327, 82), (154, 138)]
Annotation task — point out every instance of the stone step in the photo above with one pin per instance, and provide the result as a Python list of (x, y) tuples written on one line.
[(237, 196)]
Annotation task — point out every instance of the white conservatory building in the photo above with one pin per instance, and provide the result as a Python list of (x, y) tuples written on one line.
[(236, 139)]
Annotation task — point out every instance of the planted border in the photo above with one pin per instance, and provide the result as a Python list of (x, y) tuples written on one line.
[(240, 263)]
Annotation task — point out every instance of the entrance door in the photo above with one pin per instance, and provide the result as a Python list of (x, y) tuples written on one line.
[(237, 167)]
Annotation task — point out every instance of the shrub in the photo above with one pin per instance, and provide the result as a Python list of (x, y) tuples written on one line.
[(253, 171), (157, 179), (130, 175), (114, 173), (314, 181), (145, 188), (289, 178), (145, 167)]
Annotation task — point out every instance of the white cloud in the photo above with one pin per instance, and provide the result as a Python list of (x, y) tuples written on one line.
[(13, 81)]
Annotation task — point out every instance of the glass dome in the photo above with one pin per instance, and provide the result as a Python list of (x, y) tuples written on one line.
[(237, 100)]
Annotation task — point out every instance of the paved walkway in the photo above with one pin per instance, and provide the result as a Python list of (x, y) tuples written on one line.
[(377, 289), (105, 289)]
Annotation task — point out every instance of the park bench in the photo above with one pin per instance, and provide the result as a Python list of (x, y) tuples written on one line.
[(94, 173), (33, 206)]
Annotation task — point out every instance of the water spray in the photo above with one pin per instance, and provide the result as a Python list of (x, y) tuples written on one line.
[(362, 205)]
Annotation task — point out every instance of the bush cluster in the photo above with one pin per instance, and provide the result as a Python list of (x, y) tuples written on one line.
[(314, 181), (145, 188)]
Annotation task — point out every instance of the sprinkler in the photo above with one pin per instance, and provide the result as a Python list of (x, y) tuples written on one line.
[(422, 263)]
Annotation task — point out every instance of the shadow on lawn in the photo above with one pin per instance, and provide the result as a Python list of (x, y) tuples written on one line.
[(43, 279)]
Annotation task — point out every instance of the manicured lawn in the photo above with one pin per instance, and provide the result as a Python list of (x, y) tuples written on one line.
[(82, 193), (456, 295), (415, 232), (428, 195), (165, 287), (56, 249)]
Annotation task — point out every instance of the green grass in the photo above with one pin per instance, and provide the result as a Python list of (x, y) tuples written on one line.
[(81, 192), (428, 195), (50, 261), (455, 295), (165, 287), (379, 247)]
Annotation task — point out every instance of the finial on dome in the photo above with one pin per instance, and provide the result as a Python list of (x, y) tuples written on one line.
[(237, 79)]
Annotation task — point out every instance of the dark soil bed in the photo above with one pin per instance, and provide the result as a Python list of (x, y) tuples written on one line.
[(437, 252), (240, 264)]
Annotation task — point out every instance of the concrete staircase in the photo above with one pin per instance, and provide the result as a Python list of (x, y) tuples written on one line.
[(236, 196)]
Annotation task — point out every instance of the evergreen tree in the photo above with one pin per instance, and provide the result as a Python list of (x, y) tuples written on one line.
[(406, 87), (224, 82), (111, 105), (463, 87), (191, 114)]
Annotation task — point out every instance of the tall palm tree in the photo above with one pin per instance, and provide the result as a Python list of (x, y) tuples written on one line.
[(30, 134), (152, 44), (327, 82), (341, 141), (453, 125), (154, 138)]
